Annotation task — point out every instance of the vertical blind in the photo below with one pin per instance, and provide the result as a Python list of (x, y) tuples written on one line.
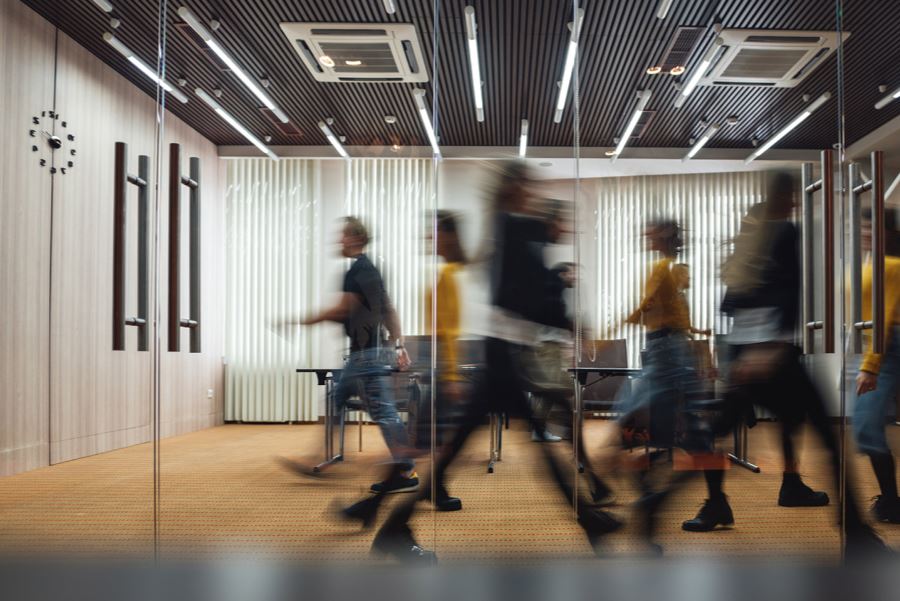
[(274, 257), (272, 260), (708, 206)]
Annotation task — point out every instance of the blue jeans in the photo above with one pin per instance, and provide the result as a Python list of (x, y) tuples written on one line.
[(367, 375), (870, 408), (669, 378)]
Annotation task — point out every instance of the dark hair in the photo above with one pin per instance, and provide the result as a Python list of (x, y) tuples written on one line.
[(779, 193), (447, 224), (891, 229), (669, 232), (513, 175)]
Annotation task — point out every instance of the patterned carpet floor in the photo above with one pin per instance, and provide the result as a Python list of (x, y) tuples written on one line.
[(223, 493)]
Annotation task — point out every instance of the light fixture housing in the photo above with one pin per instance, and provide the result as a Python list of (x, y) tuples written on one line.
[(523, 139), (789, 127), (704, 138), (568, 66), (419, 96), (333, 140), (888, 99), (191, 19), (389, 7), (699, 72), (474, 66), (643, 99), (143, 67), (663, 10), (103, 5), (234, 123)]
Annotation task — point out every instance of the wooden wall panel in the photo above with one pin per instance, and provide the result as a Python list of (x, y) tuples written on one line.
[(100, 399), (26, 68)]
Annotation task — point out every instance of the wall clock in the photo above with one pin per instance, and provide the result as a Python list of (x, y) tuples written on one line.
[(54, 146)]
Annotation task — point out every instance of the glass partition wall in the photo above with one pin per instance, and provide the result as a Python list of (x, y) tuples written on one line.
[(79, 192)]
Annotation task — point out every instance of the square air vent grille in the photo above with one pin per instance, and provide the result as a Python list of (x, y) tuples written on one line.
[(353, 52), (779, 59)]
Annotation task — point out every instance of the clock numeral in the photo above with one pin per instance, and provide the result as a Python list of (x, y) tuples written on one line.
[(35, 121), (43, 114), (52, 170), (71, 138), (32, 133), (34, 149), (63, 169), (43, 162), (71, 164), (64, 124), (72, 152), (52, 115)]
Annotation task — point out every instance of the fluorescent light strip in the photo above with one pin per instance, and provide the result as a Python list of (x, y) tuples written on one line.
[(234, 123), (419, 95), (790, 126), (475, 68), (663, 10), (568, 67), (523, 139), (333, 139), (632, 123), (709, 133), (103, 5), (143, 67), (191, 19), (888, 99), (389, 7), (699, 72)]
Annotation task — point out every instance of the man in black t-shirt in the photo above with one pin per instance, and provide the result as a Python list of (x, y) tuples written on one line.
[(366, 312)]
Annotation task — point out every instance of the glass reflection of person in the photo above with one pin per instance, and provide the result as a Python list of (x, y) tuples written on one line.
[(879, 374)]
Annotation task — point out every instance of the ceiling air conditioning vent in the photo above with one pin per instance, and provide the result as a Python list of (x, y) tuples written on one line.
[(358, 52), (779, 59)]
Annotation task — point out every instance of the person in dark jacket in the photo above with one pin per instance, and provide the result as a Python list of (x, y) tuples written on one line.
[(764, 282), (518, 278)]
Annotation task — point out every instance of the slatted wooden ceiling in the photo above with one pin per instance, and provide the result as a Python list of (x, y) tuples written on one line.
[(522, 47)]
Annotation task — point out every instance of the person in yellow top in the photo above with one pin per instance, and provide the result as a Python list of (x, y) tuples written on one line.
[(669, 379), (879, 375)]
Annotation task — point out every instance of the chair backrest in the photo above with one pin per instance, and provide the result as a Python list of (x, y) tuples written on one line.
[(603, 353)]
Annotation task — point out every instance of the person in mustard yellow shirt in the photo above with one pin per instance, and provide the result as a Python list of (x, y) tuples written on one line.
[(879, 375), (669, 378)]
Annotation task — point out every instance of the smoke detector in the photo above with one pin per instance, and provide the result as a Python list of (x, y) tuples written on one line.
[(359, 52)]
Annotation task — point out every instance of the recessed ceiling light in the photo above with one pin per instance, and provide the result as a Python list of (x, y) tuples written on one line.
[(654, 70), (677, 70), (390, 119), (327, 61), (354, 63), (610, 153), (395, 147)]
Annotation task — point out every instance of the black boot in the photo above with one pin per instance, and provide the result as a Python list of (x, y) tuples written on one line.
[(794, 493), (715, 512), (363, 511), (399, 543), (886, 510)]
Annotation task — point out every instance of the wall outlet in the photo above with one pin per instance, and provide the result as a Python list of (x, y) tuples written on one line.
[(209, 393)]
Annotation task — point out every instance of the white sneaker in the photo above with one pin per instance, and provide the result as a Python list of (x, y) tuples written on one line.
[(547, 437)]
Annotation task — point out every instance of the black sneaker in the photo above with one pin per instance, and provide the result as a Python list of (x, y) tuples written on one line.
[(886, 510), (597, 524), (363, 511), (444, 501), (797, 494), (402, 484), (714, 513), (400, 544)]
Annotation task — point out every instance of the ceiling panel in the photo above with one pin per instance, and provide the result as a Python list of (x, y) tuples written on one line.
[(522, 45)]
